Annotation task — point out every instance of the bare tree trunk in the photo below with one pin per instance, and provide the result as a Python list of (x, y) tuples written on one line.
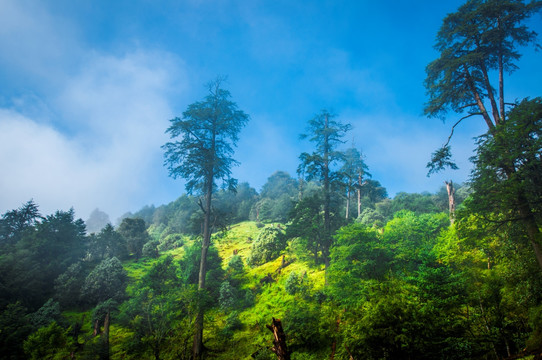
[(198, 331), (105, 337), (478, 99), (347, 202), (501, 88), (279, 342), (451, 200), (96, 331), (359, 193)]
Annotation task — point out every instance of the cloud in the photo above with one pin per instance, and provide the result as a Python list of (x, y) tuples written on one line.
[(103, 147)]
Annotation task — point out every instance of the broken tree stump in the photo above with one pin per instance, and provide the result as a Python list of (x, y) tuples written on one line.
[(279, 343)]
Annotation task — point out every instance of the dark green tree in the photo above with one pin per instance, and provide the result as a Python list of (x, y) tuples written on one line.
[(108, 243), (134, 232), (482, 36), (276, 198), (49, 343), (207, 135), (13, 223), (502, 195), (326, 133), (15, 327), (307, 225), (108, 280)]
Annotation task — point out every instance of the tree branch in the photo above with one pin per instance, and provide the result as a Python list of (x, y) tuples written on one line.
[(457, 123)]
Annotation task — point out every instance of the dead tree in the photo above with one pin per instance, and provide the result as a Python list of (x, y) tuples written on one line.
[(451, 199), (279, 342)]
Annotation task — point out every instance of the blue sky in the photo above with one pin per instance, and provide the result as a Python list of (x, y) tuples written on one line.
[(87, 89)]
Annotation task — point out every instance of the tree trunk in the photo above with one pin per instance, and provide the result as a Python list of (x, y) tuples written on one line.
[(105, 337), (477, 98), (359, 194), (348, 201), (531, 227), (451, 200), (279, 342), (198, 330)]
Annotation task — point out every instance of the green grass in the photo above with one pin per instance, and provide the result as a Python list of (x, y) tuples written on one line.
[(271, 300)]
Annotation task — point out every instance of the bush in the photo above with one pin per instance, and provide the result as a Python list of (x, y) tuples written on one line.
[(235, 265), (270, 242), (170, 242), (150, 249), (228, 296)]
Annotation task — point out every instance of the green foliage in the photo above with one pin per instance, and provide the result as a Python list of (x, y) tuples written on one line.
[(276, 198), (107, 243), (134, 232), (162, 276), (357, 257), (49, 312), (150, 249), (14, 328), (508, 163), (270, 242), (36, 252), (235, 265), (49, 343), (228, 296), (370, 217), (471, 42), (106, 281), (208, 133), (301, 323), (68, 284), (190, 268), (170, 242)]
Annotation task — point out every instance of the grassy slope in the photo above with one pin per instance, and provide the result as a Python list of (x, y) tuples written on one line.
[(270, 299)]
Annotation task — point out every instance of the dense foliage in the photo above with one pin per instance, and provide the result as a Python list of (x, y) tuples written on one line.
[(402, 279)]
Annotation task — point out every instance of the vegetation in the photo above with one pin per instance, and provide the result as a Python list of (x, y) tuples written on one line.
[(205, 275)]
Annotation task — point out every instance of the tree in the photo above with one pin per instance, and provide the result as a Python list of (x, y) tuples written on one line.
[(480, 37), (97, 221), (50, 342), (504, 196), (15, 222), (277, 197), (208, 133), (108, 280), (108, 243), (327, 134), (135, 234), (270, 242), (353, 170), (154, 310)]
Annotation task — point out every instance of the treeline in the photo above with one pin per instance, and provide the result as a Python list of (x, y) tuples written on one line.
[(407, 286), (277, 200)]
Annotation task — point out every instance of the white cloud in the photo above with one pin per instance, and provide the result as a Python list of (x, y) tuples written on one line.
[(103, 148)]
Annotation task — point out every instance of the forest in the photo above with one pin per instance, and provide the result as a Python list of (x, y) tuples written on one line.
[(322, 264)]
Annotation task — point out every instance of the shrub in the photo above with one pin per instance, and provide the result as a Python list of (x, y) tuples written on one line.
[(170, 242), (270, 242), (150, 249)]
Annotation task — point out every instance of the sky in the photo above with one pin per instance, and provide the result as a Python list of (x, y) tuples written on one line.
[(87, 89)]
